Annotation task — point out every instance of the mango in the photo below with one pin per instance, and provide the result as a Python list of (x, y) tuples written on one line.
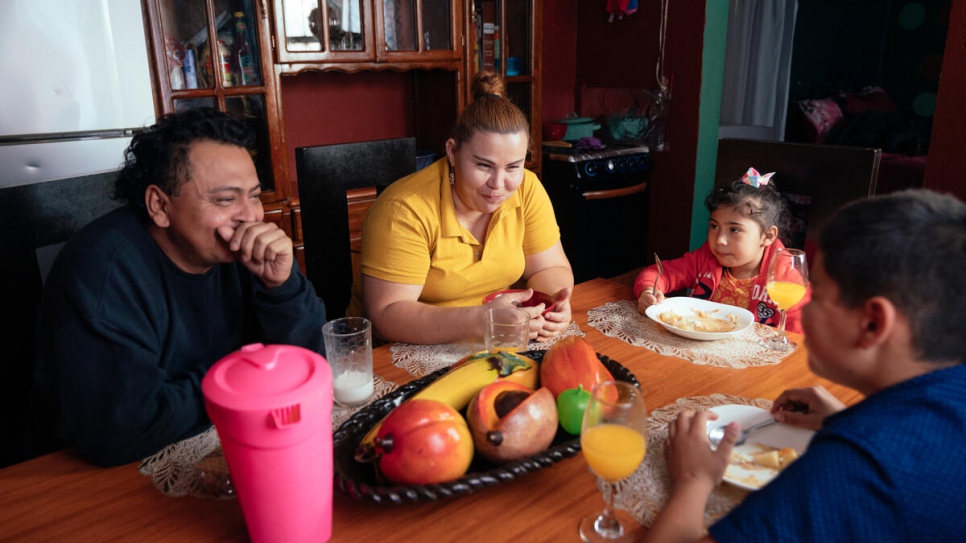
[(509, 421)]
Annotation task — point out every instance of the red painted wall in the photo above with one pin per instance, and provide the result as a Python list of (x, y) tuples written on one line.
[(331, 107), (945, 163), (618, 54), (559, 66)]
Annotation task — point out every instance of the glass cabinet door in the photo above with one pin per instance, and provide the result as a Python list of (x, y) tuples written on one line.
[(400, 25), (193, 60), (323, 30), (251, 110), (214, 53), (410, 30), (504, 37), (517, 40)]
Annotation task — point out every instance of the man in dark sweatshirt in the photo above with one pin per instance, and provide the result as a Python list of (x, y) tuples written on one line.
[(142, 301)]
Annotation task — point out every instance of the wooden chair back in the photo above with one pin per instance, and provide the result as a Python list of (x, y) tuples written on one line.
[(329, 176)]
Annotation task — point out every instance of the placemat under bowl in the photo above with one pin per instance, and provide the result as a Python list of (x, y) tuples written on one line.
[(644, 494), (622, 320)]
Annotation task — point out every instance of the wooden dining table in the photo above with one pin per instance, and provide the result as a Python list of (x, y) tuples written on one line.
[(60, 497)]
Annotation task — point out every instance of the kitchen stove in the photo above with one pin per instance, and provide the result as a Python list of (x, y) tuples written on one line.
[(600, 198)]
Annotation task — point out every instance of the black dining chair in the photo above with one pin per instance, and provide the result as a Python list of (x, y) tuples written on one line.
[(325, 174), (815, 179), (37, 219)]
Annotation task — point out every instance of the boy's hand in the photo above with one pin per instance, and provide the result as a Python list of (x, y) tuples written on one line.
[(687, 450), (805, 407)]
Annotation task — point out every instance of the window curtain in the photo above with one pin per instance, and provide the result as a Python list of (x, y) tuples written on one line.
[(758, 59)]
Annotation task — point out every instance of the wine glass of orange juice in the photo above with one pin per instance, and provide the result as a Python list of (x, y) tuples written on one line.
[(786, 283), (613, 440)]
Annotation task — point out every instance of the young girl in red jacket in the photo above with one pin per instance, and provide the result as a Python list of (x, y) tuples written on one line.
[(732, 266)]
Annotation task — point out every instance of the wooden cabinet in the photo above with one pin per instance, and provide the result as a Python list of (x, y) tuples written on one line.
[(352, 35), (199, 60), (506, 36), (217, 53)]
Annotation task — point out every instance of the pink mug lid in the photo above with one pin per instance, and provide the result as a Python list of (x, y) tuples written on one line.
[(262, 377)]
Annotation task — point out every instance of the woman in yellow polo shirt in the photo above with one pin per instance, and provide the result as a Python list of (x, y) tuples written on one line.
[(436, 242)]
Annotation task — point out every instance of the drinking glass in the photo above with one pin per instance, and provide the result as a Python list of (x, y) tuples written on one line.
[(786, 283), (506, 329), (348, 349), (613, 439)]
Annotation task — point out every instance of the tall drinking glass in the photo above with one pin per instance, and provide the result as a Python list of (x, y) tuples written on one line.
[(613, 440), (786, 284), (348, 348)]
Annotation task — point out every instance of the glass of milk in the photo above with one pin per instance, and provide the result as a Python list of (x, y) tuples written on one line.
[(348, 348)]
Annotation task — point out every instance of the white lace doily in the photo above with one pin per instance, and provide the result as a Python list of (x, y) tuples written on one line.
[(380, 386), (196, 466), (420, 360), (174, 470), (622, 320), (645, 492)]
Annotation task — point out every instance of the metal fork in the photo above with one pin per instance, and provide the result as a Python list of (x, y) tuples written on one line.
[(660, 270), (717, 433)]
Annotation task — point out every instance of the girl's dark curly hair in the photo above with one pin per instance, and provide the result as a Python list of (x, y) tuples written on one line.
[(764, 205), (159, 154)]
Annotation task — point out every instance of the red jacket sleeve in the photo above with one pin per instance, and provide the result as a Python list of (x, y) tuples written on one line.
[(679, 273)]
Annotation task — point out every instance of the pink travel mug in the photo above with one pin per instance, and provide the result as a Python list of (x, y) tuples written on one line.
[(272, 408)]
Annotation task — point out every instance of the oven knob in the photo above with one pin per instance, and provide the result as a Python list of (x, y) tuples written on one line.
[(632, 163), (590, 168), (622, 165), (644, 161), (611, 166)]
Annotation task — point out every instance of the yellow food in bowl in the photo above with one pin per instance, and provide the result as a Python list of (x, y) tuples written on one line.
[(701, 321)]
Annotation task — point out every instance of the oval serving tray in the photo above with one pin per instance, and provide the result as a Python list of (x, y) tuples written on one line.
[(358, 480)]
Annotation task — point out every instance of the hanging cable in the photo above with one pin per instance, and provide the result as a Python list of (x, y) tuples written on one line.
[(662, 35)]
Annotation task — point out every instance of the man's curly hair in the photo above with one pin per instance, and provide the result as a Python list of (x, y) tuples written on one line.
[(159, 154)]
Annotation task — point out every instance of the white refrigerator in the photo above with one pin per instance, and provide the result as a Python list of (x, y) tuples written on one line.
[(75, 84)]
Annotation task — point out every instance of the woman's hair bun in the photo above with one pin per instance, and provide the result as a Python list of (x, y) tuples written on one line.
[(488, 83)]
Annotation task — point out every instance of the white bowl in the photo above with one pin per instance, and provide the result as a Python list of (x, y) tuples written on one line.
[(684, 307)]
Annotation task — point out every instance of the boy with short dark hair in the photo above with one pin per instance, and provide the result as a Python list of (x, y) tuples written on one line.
[(887, 318)]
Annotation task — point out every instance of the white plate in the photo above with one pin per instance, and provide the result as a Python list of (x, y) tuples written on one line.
[(743, 472), (683, 306)]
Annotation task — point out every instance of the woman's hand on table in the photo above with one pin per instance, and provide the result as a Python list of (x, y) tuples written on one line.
[(647, 300), (544, 327), (805, 407)]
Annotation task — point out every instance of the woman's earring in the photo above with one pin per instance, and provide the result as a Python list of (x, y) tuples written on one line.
[(452, 179)]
